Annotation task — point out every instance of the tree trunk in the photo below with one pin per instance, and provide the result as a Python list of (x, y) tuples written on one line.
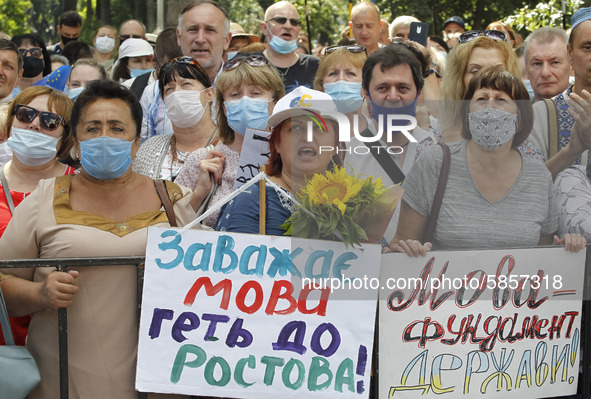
[(434, 18), (136, 10), (89, 10), (479, 15), (98, 10), (150, 15), (105, 11), (70, 5)]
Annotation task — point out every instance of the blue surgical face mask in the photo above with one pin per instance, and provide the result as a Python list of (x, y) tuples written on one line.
[(134, 73), (231, 54), (377, 110), (105, 157), (346, 95), (283, 46), (246, 113), (73, 93), (32, 148)]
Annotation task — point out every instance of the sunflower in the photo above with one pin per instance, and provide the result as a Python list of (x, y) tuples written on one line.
[(334, 188)]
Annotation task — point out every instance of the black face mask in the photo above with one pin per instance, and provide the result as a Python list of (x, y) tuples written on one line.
[(32, 66), (66, 40)]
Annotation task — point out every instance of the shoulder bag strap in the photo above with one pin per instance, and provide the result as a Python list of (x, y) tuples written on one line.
[(6, 190), (385, 160), (4, 323), (165, 201), (552, 127), (441, 183)]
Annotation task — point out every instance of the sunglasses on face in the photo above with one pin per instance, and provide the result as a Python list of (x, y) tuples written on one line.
[(353, 48), (252, 60), (123, 38), (47, 120), (283, 21), (35, 52), (473, 34), (181, 60)]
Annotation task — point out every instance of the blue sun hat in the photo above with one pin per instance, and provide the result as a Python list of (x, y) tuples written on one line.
[(583, 14)]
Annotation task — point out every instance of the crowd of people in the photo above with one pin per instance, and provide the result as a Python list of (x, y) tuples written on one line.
[(99, 142)]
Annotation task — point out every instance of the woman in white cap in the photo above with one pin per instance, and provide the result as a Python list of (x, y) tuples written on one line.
[(134, 60), (293, 160)]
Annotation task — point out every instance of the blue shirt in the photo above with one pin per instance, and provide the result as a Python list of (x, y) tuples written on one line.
[(241, 215)]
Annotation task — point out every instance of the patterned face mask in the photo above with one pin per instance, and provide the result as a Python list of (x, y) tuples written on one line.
[(491, 128)]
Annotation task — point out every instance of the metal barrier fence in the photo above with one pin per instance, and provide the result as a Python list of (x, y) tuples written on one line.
[(138, 261)]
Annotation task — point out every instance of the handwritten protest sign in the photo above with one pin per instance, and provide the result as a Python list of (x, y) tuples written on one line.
[(254, 154), (504, 324), (226, 315)]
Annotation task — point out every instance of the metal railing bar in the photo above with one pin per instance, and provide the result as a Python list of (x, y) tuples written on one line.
[(69, 262)]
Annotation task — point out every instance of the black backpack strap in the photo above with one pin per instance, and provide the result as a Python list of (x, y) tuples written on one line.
[(139, 84), (384, 159)]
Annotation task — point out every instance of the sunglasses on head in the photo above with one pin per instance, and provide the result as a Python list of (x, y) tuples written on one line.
[(35, 52), (252, 60), (47, 120), (473, 34), (181, 60), (283, 21), (352, 48)]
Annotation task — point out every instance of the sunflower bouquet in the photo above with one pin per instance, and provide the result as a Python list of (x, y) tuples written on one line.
[(338, 206)]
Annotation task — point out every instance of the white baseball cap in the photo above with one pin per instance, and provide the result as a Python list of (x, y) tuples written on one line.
[(135, 48), (300, 102)]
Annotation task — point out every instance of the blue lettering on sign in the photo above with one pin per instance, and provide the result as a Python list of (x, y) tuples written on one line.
[(221, 257)]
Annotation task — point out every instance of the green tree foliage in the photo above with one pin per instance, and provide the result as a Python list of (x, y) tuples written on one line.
[(528, 19), (327, 19), (247, 13), (14, 16), (476, 13)]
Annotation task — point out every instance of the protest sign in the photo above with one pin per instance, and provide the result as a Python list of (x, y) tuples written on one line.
[(480, 324), (254, 154), (234, 315)]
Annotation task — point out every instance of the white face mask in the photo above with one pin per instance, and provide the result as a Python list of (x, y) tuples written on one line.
[(184, 108), (105, 44)]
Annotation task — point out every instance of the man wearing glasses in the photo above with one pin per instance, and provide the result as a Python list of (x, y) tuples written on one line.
[(281, 28), (132, 28)]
